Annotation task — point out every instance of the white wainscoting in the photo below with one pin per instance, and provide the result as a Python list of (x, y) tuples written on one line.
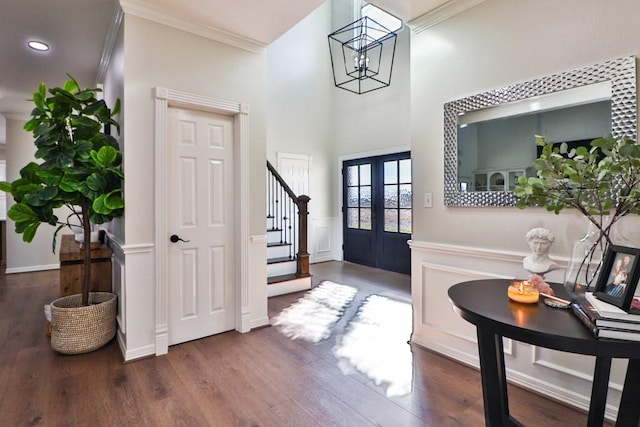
[(324, 241), (131, 315), (257, 314), (436, 267)]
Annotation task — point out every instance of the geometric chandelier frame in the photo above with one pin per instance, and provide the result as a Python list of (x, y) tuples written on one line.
[(362, 55)]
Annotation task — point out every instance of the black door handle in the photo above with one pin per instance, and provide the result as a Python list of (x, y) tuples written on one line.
[(175, 238)]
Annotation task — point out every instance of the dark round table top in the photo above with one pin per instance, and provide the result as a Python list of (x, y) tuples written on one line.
[(485, 304)]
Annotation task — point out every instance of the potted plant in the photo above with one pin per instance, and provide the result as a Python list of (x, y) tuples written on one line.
[(80, 168), (600, 181)]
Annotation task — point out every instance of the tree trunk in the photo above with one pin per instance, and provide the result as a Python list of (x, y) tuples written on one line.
[(86, 266)]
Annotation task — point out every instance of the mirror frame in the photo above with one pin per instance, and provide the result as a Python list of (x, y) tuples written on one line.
[(621, 72)]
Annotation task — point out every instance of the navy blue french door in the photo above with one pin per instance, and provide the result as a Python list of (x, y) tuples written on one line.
[(377, 211)]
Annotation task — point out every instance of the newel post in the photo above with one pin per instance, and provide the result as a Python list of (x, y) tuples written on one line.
[(302, 268)]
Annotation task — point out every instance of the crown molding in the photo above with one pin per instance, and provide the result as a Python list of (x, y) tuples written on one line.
[(132, 7), (16, 116), (441, 13), (109, 44)]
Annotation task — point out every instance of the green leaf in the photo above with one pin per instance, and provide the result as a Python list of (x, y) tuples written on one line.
[(93, 108), (21, 213), (116, 108), (69, 184), (114, 200), (71, 85), (96, 182), (30, 232), (48, 193), (105, 157), (5, 186)]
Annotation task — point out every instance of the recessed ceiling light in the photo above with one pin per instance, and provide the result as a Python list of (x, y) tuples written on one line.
[(36, 45)]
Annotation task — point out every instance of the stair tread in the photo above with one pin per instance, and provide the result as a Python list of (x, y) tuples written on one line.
[(279, 259), (283, 278), (276, 244)]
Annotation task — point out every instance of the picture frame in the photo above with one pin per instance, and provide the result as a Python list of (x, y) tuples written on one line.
[(618, 280)]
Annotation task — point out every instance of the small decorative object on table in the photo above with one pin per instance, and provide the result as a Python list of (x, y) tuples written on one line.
[(547, 292), (523, 291), (540, 241), (619, 278)]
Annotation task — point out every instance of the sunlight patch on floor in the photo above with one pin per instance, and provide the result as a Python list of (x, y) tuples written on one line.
[(313, 316), (376, 344)]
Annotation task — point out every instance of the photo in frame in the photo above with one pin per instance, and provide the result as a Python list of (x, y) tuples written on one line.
[(618, 280)]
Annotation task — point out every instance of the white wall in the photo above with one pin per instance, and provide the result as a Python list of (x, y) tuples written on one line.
[(373, 123), (492, 45), (299, 113), (469, 54), (307, 114), (113, 90), (21, 256)]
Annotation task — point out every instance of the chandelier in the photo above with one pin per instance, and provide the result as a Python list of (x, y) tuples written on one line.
[(362, 55)]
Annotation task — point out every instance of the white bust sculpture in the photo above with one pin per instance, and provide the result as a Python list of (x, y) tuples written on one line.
[(539, 240)]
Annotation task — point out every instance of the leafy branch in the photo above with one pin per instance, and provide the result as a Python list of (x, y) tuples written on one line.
[(601, 182)]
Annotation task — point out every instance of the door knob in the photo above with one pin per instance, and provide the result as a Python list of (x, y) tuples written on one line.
[(175, 238)]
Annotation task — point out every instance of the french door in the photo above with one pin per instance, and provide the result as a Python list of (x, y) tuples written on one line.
[(377, 211)]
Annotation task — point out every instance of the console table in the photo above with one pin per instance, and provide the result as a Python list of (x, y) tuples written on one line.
[(485, 304)]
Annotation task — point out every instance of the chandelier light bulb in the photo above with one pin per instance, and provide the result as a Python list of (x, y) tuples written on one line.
[(361, 62)]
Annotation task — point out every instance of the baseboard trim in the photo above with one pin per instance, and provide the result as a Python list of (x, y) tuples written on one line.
[(32, 268), (259, 323), (289, 287)]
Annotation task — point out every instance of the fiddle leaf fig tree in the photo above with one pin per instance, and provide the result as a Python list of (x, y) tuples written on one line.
[(80, 167)]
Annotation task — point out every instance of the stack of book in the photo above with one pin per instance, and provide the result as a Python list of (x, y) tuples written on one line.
[(605, 320)]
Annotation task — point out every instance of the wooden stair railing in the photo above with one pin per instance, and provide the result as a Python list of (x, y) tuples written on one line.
[(281, 205)]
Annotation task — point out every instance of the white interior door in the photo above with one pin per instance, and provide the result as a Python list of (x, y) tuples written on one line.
[(200, 265), (294, 169)]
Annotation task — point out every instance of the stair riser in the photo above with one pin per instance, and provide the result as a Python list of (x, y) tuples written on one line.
[(289, 286), (278, 252), (274, 236), (281, 268)]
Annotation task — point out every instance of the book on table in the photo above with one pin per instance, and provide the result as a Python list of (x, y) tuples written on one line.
[(618, 334), (609, 311), (594, 317)]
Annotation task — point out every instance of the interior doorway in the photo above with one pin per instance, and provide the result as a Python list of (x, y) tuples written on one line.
[(201, 220), (377, 211)]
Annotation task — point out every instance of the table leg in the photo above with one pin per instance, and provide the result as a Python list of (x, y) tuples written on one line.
[(599, 391), (629, 410), (494, 380)]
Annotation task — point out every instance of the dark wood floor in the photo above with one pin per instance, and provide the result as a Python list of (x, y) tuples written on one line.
[(256, 379)]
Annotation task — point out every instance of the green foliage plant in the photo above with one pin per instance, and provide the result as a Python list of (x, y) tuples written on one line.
[(600, 181), (80, 167)]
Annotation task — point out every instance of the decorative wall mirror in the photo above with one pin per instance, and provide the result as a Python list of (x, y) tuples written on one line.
[(489, 137)]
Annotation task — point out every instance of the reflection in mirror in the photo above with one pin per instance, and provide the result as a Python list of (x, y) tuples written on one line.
[(494, 152), (489, 138)]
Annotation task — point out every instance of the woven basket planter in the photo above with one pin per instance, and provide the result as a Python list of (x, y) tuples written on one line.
[(78, 329)]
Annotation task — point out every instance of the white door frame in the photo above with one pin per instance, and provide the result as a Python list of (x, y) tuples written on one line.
[(163, 98)]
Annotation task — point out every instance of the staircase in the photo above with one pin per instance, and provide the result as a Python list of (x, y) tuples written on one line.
[(287, 256)]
